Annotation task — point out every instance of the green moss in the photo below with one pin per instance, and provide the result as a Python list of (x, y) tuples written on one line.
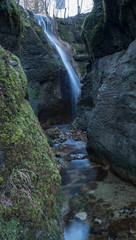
[(122, 1), (27, 25), (106, 81), (56, 61), (64, 31), (118, 11), (105, 10), (10, 230), (80, 48), (34, 92), (93, 30), (121, 54), (31, 177), (1, 180), (11, 13)]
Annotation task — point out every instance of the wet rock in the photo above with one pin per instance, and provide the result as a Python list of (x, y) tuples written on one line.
[(67, 157), (61, 147), (82, 216), (62, 163), (101, 173), (62, 137), (13, 63), (91, 192), (102, 237), (65, 209), (58, 155), (97, 228), (92, 237), (93, 185), (100, 200), (121, 225), (97, 220), (65, 177), (53, 132), (78, 156)]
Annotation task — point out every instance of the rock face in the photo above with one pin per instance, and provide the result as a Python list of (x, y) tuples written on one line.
[(29, 177), (112, 126), (107, 106), (20, 34), (69, 30), (110, 27)]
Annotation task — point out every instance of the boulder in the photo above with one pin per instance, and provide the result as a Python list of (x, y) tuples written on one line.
[(29, 176)]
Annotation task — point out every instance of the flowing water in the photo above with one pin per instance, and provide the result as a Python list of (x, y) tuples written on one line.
[(71, 83), (100, 205)]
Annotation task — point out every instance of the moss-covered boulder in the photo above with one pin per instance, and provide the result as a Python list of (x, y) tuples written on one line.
[(110, 27), (29, 177)]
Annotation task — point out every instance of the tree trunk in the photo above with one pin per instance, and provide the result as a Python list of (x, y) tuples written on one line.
[(36, 7), (78, 7)]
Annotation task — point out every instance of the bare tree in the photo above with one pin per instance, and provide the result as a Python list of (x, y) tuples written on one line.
[(81, 5), (50, 7), (78, 7)]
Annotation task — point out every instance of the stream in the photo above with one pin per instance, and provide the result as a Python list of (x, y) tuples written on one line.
[(98, 206)]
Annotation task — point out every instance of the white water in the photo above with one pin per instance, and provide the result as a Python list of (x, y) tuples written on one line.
[(74, 82), (77, 231)]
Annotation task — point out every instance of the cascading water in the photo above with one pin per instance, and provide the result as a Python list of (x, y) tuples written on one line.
[(70, 86)]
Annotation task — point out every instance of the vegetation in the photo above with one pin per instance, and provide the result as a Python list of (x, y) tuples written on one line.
[(121, 54), (11, 13), (93, 30), (96, 25), (29, 178), (63, 30)]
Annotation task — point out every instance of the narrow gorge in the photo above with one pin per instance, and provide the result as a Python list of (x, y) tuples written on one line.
[(68, 122)]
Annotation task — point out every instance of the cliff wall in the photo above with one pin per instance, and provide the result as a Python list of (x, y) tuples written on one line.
[(107, 105)]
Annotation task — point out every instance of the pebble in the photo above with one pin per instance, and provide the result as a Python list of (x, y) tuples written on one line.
[(13, 63), (82, 215), (97, 220), (91, 192)]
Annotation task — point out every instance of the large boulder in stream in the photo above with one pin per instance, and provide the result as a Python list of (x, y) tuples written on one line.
[(107, 105), (29, 176), (21, 34)]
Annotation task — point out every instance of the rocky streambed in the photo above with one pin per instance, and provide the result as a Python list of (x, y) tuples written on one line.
[(99, 206)]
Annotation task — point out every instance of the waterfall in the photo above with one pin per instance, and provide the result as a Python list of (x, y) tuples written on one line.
[(71, 83)]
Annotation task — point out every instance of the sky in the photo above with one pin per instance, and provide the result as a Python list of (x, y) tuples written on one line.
[(69, 4), (87, 4), (72, 4)]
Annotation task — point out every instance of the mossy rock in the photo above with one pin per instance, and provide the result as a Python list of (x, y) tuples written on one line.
[(11, 13), (109, 28), (29, 175), (93, 30)]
